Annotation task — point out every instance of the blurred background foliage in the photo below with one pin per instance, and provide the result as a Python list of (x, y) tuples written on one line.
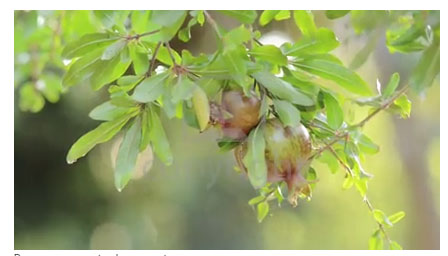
[(200, 202)]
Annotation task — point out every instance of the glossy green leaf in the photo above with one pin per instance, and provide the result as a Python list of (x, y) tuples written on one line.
[(348, 182), (146, 125), (82, 69), (283, 15), (392, 85), (113, 49), (331, 70), (108, 112), (269, 53), (305, 22), (182, 90), (140, 59), (323, 42), (404, 105), (256, 200), (102, 133), (336, 14), (107, 71), (246, 17), (288, 114), (395, 246), (167, 18), (396, 217), (282, 89), (150, 89), (254, 160), (262, 211), (139, 21), (381, 217), (127, 83), (376, 241), (127, 155), (87, 44), (427, 68), (335, 115), (158, 139), (267, 16)]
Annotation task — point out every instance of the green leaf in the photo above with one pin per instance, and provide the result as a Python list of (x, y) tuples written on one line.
[(87, 44), (394, 246), (127, 155), (282, 89), (262, 211), (30, 99), (126, 83), (305, 22), (335, 115), (164, 56), (150, 89), (108, 112), (427, 68), (167, 18), (102, 133), (256, 200), (254, 160), (376, 241), (404, 105), (331, 70), (396, 217), (236, 37), (392, 85), (82, 69), (182, 90), (323, 42), (114, 49), (267, 16), (107, 71), (246, 17), (348, 182), (269, 53), (335, 14), (140, 59), (361, 185), (139, 21), (288, 114), (146, 126), (158, 138), (227, 144), (201, 108), (381, 217), (283, 15)]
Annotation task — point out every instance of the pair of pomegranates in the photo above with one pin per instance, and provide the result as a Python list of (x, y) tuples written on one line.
[(287, 148)]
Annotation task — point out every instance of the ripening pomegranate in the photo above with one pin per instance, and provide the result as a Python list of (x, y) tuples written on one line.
[(237, 114), (286, 154)]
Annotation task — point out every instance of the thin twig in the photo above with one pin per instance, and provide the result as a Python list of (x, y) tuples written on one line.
[(153, 59), (384, 106), (213, 23), (381, 226), (341, 162), (170, 53), (142, 35)]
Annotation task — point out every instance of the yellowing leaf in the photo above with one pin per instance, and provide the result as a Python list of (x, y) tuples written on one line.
[(201, 108)]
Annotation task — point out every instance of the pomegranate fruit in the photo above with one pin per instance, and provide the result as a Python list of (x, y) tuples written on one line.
[(286, 154), (237, 114)]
